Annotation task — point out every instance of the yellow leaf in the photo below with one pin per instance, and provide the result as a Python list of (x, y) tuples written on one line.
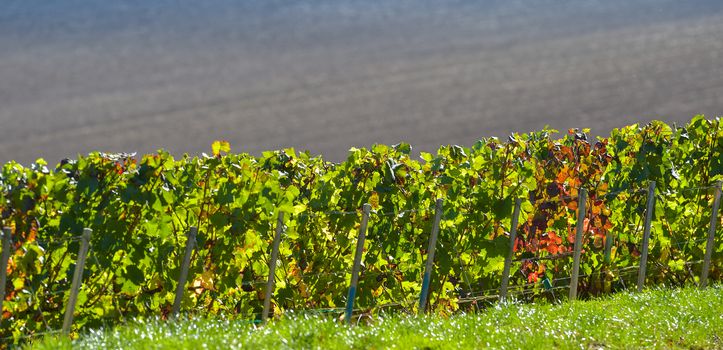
[(597, 222), (374, 200), (299, 208), (18, 283), (303, 290), (204, 281), (207, 280), (573, 192), (220, 146)]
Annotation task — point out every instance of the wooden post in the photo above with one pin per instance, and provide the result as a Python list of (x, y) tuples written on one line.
[(185, 265), (510, 252), (357, 263), (608, 247), (646, 236), (430, 256), (7, 238), (272, 266), (711, 237), (581, 200), (77, 279)]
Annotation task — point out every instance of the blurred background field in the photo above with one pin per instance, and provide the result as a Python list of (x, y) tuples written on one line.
[(135, 76)]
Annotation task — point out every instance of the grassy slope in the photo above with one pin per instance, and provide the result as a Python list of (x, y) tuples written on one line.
[(679, 318)]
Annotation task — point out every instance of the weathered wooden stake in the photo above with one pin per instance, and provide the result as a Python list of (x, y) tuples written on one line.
[(646, 236), (608, 247), (581, 200), (711, 237), (272, 266), (185, 265), (357, 263), (430, 255), (7, 238), (77, 280), (510, 252)]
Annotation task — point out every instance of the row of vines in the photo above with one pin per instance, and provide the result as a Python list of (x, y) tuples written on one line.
[(141, 208)]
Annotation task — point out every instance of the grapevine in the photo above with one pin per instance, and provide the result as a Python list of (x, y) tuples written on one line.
[(141, 207)]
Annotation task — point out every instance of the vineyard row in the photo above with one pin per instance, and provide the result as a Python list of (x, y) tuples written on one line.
[(141, 211), (358, 256)]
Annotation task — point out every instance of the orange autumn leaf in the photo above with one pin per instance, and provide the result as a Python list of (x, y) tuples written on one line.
[(517, 245), (31, 235), (562, 175), (532, 277), (554, 238), (596, 210), (552, 249), (572, 205)]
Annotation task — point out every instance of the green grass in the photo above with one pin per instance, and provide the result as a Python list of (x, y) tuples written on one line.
[(665, 318)]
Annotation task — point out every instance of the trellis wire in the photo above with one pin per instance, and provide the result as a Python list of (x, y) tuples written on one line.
[(400, 213), (31, 336), (331, 212), (356, 212), (57, 242), (524, 289), (618, 272), (686, 242), (546, 257), (691, 189)]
